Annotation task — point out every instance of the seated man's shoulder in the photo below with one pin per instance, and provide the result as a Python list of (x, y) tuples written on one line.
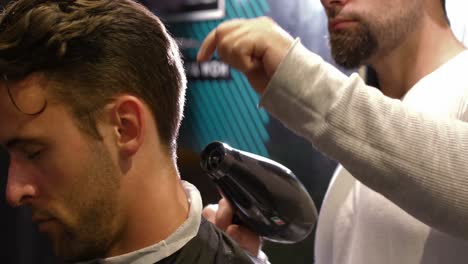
[(210, 245)]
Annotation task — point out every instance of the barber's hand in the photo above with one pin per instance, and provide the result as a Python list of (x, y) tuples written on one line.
[(253, 46), (222, 218)]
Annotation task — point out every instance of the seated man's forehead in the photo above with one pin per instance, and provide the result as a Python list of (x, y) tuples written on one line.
[(18, 101), (6, 106), (27, 96)]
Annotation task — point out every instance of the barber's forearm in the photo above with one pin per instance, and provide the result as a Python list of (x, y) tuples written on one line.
[(309, 87), (417, 162)]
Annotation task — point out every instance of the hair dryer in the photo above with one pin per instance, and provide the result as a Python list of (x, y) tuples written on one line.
[(267, 196)]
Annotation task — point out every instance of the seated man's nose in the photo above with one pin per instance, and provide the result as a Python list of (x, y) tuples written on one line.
[(19, 188)]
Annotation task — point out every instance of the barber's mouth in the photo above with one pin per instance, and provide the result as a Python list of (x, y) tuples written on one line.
[(337, 24)]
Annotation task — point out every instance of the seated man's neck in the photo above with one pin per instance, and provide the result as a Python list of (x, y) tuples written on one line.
[(157, 206)]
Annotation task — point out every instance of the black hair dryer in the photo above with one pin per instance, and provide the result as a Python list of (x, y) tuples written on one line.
[(267, 196)]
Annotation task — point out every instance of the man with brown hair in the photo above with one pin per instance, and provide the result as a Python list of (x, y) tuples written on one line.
[(90, 106)]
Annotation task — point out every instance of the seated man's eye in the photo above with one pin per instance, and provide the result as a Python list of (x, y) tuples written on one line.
[(33, 155)]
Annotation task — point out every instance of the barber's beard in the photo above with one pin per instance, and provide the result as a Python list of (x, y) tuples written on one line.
[(355, 46), (352, 47)]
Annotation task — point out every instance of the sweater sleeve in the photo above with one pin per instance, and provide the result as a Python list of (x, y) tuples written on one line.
[(415, 160)]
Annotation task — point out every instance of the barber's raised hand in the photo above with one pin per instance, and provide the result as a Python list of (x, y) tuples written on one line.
[(221, 216), (253, 46)]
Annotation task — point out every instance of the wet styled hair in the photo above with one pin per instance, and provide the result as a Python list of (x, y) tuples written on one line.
[(92, 51)]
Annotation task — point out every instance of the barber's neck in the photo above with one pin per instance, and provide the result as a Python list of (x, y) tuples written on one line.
[(425, 50)]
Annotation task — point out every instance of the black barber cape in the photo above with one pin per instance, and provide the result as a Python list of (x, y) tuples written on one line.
[(209, 246)]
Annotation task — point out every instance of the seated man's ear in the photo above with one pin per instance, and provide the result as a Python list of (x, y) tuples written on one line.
[(129, 122)]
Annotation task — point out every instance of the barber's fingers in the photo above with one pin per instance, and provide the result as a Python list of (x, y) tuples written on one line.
[(209, 212), (245, 238), (239, 50), (253, 46), (221, 215), (224, 215), (210, 43), (237, 44)]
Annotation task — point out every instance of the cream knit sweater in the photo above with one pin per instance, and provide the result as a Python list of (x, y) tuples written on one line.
[(411, 163)]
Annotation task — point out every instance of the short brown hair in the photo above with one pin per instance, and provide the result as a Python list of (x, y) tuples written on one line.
[(94, 50)]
